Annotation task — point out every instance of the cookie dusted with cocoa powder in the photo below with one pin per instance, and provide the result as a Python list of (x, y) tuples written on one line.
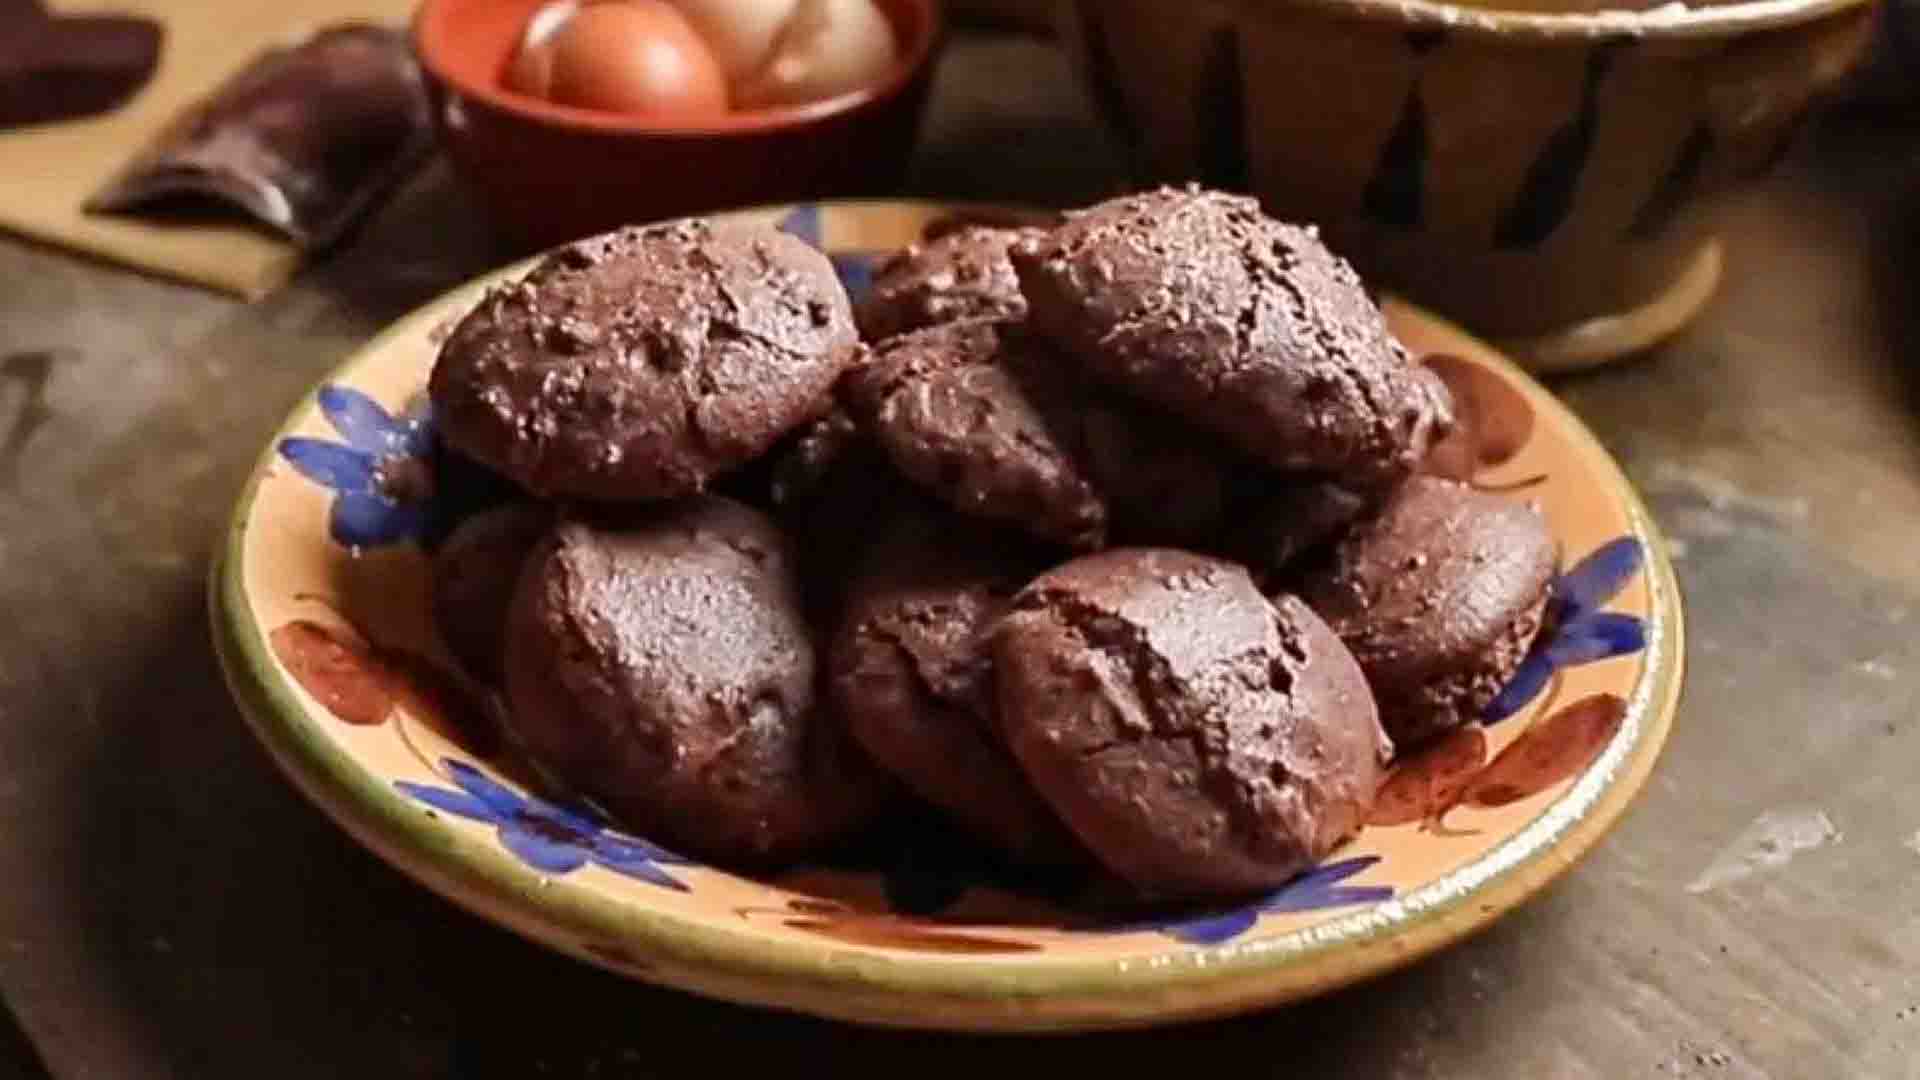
[(912, 676), (1238, 323), (662, 666), (999, 425), (1439, 594), (984, 416), (642, 363), (963, 274), (1198, 738)]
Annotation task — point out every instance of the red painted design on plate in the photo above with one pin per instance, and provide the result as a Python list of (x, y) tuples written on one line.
[(1424, 786), (1549, 751), (340, 672), (1455, 771), (365, 685)]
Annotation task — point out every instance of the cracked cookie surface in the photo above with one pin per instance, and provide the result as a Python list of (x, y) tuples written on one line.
[(661, 664), (911, 672), (1198, 738), (642, 363), (985, 417), (963, 274), (1238, 323)]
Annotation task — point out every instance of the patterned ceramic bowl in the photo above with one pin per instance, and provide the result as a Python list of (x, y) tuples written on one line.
[(320, 615), (1546, 179)]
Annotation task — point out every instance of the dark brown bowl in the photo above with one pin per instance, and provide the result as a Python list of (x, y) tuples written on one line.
[(550, 173)]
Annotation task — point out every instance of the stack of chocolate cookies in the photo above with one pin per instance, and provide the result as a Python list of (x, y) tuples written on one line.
[(1110, 541)]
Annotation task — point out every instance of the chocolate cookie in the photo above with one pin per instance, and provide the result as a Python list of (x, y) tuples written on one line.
[(998, 425), (1240, 324), (1290, 518), (641, 363), (963, 274), (793, 470), (474, 574), (1439, 595), (979, 414), (912, 678), (801, 470), (1199, 739), (662, 667), (1164, 481), (828, 489)]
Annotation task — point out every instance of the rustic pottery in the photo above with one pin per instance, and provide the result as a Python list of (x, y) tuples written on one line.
[(547, 173), (320, 617), (1546, 179)]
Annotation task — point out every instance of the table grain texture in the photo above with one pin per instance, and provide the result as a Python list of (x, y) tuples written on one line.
[(169, 907)]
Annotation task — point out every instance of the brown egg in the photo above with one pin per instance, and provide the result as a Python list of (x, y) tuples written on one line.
[(635, 56), (531, 70)]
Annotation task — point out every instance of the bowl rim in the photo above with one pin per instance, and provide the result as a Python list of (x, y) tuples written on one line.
[(432, 22), (938, 991), (1671, 21)]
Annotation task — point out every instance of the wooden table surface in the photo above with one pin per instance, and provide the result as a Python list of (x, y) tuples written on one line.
[(172, 908)]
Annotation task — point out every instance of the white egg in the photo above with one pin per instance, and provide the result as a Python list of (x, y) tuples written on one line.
[(741, 33), (829, 47)]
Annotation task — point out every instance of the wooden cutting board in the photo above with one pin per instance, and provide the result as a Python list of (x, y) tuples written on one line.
[(51, 169)]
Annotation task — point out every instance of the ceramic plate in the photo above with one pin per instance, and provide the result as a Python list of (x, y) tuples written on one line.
[(320, 616)]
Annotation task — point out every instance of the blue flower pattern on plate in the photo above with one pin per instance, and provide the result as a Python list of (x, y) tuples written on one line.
[(1576, 630), (548, 838), (1314, 890), (367, 510)]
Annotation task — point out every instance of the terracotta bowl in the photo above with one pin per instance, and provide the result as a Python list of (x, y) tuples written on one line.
[(550, 173), (321, 618), (1548, 179)]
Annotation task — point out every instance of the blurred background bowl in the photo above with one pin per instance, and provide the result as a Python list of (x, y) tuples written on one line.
[(1548, 179), (550, 173)]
